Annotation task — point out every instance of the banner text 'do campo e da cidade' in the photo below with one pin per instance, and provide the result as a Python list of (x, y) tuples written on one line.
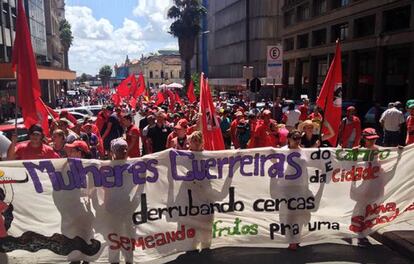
[(175, 201)]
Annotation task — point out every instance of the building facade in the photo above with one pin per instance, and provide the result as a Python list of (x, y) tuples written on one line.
[(162, 67), (53, 79), (377, 42), (238, 33)]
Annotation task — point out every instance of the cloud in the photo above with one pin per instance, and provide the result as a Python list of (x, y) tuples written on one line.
[(97, 42)]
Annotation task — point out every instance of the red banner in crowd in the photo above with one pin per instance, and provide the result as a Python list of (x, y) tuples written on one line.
[(330, 97), (213, 139)]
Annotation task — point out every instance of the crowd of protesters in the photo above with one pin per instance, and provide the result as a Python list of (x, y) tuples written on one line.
[(243, 125), (118, 135)]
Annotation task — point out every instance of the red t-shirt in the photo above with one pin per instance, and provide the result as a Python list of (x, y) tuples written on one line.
[(25, 151), (410, 130), (133, 131), (262, 136), (303, 112)]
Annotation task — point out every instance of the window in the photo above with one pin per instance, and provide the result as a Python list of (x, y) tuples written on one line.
[(303, 12), (151, 75), (319, 7), (172, 75), (2, 55), (162, 74), (289, 18), (340, 32), (364, 26), (319, 37), (303, 41), (339, 3), (6, 16), (289, 44), (397, 19)]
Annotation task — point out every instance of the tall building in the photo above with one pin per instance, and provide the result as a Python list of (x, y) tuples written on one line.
[(377, 41), (42, 19), (238, 34)]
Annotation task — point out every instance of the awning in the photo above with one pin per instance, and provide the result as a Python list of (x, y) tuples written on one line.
[(45, 73)]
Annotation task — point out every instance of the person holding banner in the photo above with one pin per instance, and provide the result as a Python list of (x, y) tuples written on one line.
[(34, 149)]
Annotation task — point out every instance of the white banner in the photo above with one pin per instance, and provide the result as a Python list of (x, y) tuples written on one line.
[(174, 201)]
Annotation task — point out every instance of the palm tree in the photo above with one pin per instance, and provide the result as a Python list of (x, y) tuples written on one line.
[(66, 38), (186, 27), (105, 74)]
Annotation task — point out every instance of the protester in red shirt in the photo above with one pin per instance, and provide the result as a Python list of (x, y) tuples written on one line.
[(262, 133), (410, 123), (132, 136), (316, 116), (33, 149), (304, 108), (102, 118), (182, 123), (79, 149), (180, 142), (350, 129), (233, 129)]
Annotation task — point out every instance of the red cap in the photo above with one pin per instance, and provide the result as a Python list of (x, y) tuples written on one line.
[(79, 144), (183, 122), (370, 133)]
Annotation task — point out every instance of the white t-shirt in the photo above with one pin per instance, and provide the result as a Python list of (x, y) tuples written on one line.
[(292, 117), (392, 119)]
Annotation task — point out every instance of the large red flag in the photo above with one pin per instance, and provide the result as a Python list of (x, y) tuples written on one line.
[(213, 139), (140, 88), (27, 79), (178, 99), (159, 98), (190, 93), (330, 97), (116, 99), (171, 95), (126, 86)]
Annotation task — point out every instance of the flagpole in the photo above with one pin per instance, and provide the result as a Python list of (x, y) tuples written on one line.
[(325, 106), (47, 109), (15, 104)]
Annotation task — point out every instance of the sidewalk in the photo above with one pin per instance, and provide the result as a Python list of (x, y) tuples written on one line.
[(399, 238)]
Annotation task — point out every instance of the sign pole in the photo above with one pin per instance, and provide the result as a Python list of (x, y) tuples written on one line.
[(274, 89)]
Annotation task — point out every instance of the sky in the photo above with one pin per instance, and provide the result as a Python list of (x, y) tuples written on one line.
[(105, 31)]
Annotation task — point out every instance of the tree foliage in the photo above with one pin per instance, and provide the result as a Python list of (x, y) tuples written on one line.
[(65, 34), (105, 74), (186, 27)]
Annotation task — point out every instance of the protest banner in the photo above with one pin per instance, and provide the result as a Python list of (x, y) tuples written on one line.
[(175, 201)]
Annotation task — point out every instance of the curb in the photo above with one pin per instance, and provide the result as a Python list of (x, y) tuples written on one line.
[(397, 241)]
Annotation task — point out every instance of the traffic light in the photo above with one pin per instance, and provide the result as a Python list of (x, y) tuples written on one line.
[(255, 85)]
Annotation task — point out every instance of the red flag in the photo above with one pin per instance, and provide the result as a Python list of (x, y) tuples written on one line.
[(178, 99), (43, 115), (139, 88), (116, 99), (52, 112), (126, 86), (27, 79), (133, 102), (213, 139), (159, 98), (330, 97), (171, 96), (190, 93)]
